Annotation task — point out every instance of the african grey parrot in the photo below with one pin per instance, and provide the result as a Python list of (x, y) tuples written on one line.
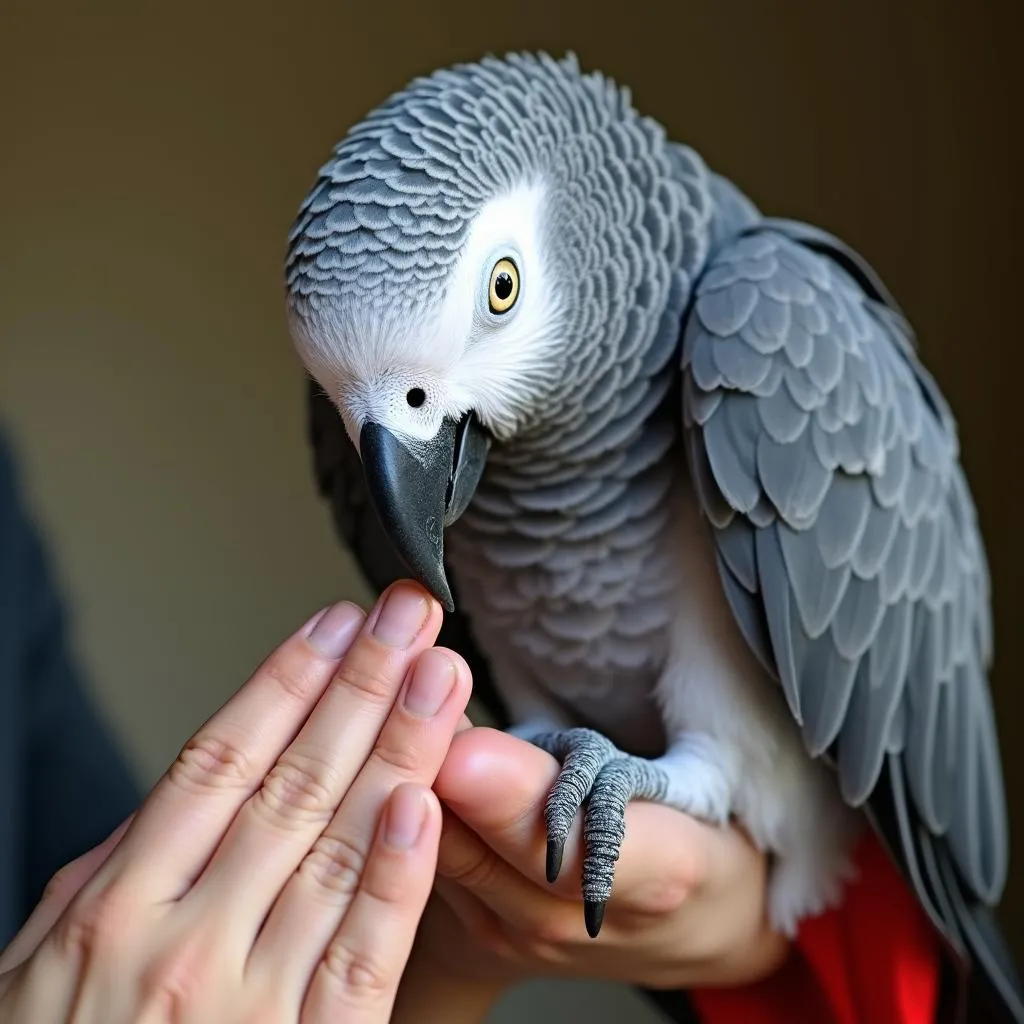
[(700, 500)]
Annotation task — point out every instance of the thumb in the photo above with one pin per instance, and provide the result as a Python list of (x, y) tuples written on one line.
[(61, 890)]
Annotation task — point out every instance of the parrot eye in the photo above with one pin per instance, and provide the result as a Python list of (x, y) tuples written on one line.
[(504, 287)]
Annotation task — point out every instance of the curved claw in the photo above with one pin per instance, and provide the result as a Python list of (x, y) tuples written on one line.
[(582, 752), (598, 779), (604, 826), (553, 866), (593, 915)]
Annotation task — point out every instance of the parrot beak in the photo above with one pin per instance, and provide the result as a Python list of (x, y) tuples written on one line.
[(418, 488)]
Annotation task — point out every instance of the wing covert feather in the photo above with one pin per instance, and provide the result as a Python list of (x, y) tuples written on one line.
[(827, 462)]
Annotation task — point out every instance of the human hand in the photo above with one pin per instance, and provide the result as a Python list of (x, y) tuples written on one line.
[(279, 869), (688, 905)]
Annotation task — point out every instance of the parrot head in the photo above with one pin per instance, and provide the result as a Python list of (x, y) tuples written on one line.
[(459, 277)]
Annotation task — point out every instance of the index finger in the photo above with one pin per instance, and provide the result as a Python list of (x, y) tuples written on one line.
[(185, 815), (191, 808), (497, 785)]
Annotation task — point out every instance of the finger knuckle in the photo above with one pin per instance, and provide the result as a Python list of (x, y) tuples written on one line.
[(367, 678), (62, 883), (479, 870), (172, 988), (399, 755), (362, 976), (94, 923), (390, 881), (335, 865), (666, 898), (666, 894), (297, 792), (293, 677), (210, 763)]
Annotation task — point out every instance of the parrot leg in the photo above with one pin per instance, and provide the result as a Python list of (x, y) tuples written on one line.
[(595, 773)]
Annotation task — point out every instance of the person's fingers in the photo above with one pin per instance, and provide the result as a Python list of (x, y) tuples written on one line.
[(497, 784), (185, 816), (60, 891), (720, 934), (275, 829), (529, 930), (411, 748), (502, 908), (357, 979)]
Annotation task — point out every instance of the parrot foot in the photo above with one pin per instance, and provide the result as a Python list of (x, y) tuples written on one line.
[(599, 777)]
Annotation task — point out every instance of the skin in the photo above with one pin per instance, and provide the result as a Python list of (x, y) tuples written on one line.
[(688, 908), (278, 870)]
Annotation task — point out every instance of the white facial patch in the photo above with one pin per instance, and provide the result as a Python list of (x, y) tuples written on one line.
[(408, 373), (501, 371)]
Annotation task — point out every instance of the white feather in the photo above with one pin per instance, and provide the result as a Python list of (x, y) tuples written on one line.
[(461, 356), (736, 750)]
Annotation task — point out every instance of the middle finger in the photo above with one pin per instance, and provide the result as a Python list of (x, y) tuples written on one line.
[(277, 826), (411, 748)]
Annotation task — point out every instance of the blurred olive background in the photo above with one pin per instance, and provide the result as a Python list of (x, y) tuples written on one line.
[(151, 160)]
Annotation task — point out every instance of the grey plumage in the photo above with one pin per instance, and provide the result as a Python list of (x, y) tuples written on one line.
[(593, 770), (683, 348), (874, 576)]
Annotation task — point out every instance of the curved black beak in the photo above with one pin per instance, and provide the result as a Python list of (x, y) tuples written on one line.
[(419, 487)]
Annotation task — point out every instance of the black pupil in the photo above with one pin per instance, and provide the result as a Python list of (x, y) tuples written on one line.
[(503, 285), (416, 397)]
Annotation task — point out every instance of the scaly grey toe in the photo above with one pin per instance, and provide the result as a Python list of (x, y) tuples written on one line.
[(618, 782), (582, 752)]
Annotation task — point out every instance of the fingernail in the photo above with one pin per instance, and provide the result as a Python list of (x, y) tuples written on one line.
[(402, 617), (404, 818), (332, 634), (433, 677)]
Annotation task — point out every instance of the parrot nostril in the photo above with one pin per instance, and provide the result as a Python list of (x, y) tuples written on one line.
[(416, 397)]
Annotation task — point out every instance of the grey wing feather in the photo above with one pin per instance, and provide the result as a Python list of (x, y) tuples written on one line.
[(826, 460)]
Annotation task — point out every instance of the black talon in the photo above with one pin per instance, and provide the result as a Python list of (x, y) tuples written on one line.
[(599, 780), (554, 859)]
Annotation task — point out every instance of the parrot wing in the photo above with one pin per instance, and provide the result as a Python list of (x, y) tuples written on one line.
[(827, 463)]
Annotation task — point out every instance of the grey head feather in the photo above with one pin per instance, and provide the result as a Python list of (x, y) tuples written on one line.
[(627, 224)]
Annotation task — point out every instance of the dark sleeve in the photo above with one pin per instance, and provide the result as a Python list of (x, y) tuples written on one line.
[(78, 787)]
